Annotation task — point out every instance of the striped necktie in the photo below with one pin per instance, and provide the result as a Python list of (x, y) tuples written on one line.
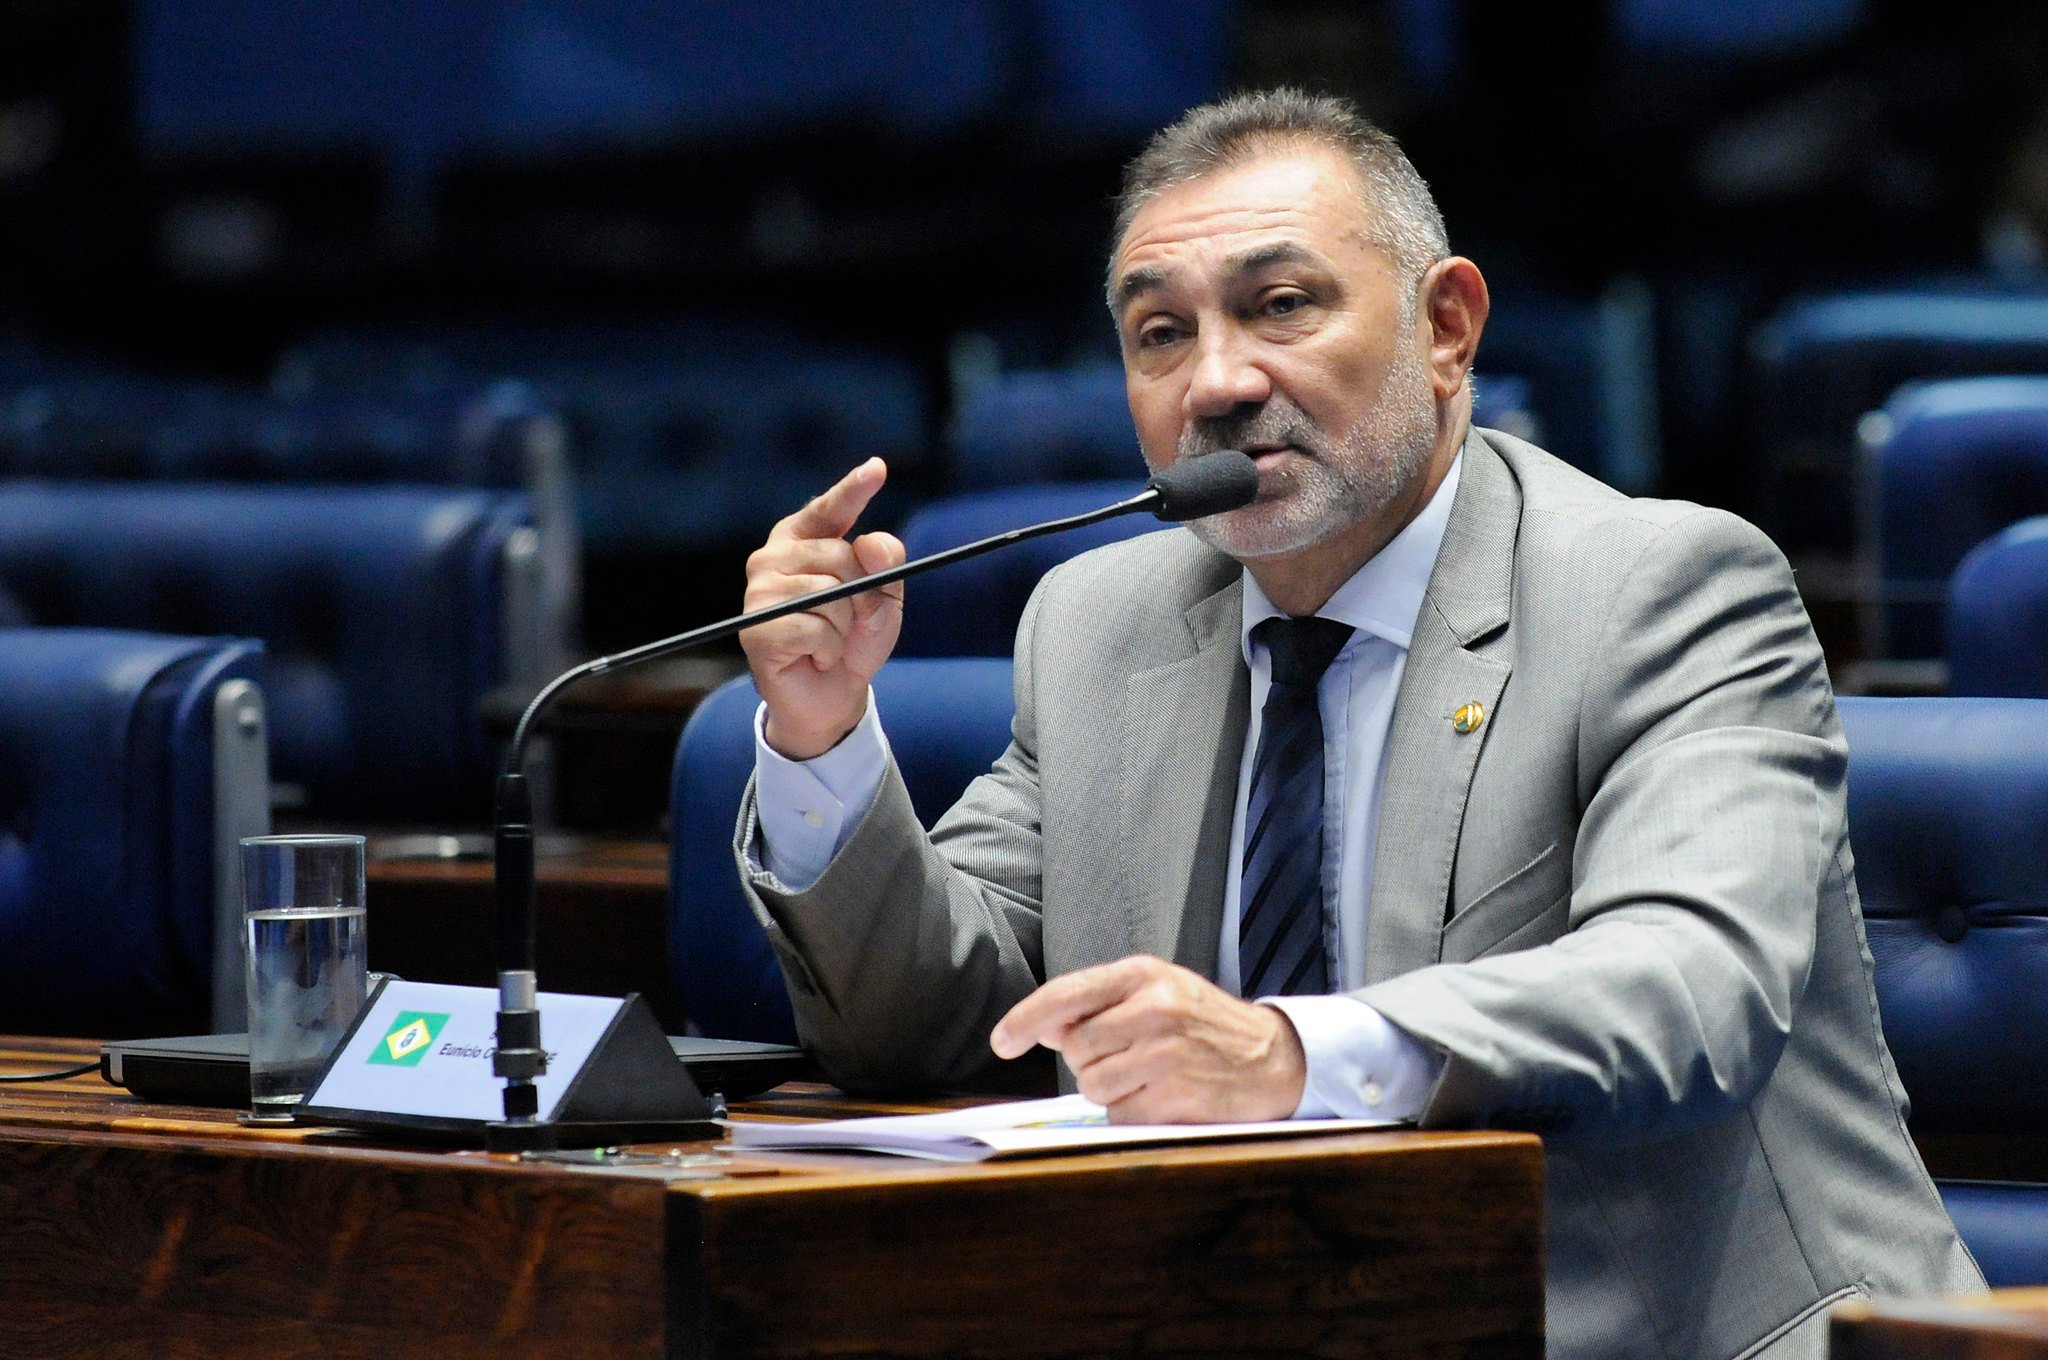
[(1280, 931)]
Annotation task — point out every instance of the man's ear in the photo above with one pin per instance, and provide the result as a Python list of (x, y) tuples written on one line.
[(1453, 303)]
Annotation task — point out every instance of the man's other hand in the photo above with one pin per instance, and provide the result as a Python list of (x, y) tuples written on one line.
[(1157, 1044), (813, 668)]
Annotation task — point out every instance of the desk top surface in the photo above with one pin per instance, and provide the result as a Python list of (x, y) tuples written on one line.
[(87, 1108)]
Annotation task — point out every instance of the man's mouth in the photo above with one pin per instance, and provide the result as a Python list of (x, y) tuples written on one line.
[(1267, 456)]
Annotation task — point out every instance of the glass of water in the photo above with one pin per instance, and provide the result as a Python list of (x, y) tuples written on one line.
[(308, 961)]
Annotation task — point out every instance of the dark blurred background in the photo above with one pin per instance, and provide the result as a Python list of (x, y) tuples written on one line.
[(841, 221)]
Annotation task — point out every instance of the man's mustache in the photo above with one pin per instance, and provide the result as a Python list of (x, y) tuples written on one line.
[(1271, 422)]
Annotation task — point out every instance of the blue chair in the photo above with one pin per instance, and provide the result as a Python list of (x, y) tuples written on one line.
[(1948, 810), (1998, 615), (388, 613), (1822, 363), (130, 764), (973, 607), (2002, 1222), (1952, 463), (947, 721)]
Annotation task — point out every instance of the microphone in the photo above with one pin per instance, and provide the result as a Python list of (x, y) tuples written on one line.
[(1195, 488), (1190, 488)]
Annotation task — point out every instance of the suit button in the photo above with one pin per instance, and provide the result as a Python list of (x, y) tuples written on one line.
[(1951, 922)]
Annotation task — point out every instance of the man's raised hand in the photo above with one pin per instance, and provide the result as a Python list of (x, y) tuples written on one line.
[(813, 668)]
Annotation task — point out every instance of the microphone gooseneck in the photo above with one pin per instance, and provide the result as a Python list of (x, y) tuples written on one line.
[(1191, 488)]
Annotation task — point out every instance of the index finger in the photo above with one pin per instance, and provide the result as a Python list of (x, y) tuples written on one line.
[(833, 512), (1044, 1016)]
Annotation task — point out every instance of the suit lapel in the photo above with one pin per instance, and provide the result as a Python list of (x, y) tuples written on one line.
[(1182, 739), (1430, 764)]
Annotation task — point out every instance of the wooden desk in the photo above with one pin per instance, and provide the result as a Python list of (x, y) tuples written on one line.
[(2006, 1324), (132, 1230)]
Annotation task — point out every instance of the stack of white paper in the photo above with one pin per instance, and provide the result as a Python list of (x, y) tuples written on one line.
[(1020, 1128)]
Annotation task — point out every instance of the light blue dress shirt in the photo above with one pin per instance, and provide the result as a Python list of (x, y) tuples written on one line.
[(1359, 1063)]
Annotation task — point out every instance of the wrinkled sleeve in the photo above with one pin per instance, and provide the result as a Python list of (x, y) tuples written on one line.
[(906, 949)]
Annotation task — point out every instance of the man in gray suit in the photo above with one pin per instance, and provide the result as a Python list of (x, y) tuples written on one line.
[(1508, 800)]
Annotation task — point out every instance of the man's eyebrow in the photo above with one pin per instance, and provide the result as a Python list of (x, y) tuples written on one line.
[(1265, 257), (1146, 280), (1136, 282)]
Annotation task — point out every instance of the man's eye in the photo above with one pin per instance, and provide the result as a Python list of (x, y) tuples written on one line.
[(1280, 304), (1151, 337)]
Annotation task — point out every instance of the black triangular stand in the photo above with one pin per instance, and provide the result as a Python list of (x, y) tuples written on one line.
[(631, 1089)]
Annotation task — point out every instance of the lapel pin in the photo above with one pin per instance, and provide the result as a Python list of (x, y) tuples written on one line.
[(1468, 718)]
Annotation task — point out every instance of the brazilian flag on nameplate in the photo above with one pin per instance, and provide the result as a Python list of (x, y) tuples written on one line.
[(408, 1039)]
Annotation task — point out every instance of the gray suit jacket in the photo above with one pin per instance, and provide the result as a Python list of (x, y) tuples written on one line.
[(1624, 907)]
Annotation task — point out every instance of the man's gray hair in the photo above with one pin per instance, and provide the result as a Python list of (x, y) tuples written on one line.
[(1404, 220)]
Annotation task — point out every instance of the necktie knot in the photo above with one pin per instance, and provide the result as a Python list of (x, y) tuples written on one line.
[(1302, 649)]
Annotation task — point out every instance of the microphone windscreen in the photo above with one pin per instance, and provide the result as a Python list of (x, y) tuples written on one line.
[(1208, 484)]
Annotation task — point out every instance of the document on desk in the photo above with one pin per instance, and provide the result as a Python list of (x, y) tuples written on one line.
[(1021, 1128)]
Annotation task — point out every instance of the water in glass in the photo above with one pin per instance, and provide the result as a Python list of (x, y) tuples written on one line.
[(306, 973)]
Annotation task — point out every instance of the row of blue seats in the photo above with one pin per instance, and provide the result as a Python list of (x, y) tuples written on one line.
[(1823, 364), (387, 615), (129, 763)]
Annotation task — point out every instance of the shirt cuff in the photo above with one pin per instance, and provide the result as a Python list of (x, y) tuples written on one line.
[(1361, 1065), (809, 807)]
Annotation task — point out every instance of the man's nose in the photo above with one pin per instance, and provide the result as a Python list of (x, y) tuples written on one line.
[(1225, 378)]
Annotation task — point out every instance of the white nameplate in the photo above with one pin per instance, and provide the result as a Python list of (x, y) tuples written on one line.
[(423, 1050)]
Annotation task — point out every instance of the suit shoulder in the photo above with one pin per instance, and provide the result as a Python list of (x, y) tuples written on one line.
[(1566, 511), (1169, 567), (1129, 605)]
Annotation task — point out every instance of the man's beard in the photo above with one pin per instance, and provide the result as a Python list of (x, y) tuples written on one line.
[(1337, 484)]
